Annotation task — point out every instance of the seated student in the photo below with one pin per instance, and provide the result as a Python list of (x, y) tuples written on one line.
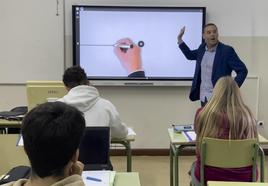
[(97, 111), (52, 133), (225, 116)]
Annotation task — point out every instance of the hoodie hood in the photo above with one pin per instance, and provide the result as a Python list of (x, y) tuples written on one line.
[(83, 97)]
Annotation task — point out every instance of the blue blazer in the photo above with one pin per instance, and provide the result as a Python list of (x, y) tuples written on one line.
[(226, 60)]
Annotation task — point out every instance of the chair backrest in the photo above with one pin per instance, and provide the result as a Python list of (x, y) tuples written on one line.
[(225, 153), (228, 153), (94, 148), (39, 92)]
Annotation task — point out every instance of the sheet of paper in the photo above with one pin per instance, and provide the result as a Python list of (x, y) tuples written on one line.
[(20, 141), (102, 177), (112, 177), (130, 132), (190, 135)]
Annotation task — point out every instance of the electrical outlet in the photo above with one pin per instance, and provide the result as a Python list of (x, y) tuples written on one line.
[(260, 123)]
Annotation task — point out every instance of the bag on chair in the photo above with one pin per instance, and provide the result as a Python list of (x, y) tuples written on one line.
[(15, 174)]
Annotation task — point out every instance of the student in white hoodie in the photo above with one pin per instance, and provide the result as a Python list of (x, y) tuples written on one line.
[(97, 111)]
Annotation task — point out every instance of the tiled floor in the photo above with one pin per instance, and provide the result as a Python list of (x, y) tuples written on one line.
[(154, 170)]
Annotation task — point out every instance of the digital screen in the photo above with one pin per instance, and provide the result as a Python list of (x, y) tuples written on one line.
[(100, 32)]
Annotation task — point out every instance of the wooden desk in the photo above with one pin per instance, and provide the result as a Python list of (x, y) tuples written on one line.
[(129, 179), (177, 143), (126, 143), (11, 155), (221, 183), (9, 123), (123, 179)]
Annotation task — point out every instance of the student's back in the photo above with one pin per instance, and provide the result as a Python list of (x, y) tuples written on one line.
[(97, 111), (225, 117)]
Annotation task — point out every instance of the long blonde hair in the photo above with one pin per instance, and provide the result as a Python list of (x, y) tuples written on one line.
[(227, 101)]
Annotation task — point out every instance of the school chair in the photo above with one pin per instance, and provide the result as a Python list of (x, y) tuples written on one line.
[(231, 154)]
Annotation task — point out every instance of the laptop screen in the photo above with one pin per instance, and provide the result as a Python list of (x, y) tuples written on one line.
[(95, 145)]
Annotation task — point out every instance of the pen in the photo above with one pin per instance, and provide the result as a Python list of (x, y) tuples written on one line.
[(125, 46), (93, 179)]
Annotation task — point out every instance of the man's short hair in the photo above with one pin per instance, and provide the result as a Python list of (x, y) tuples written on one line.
[(74, 76), (209, 24), (52, 133)]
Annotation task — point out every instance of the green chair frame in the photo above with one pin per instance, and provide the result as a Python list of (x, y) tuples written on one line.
[(225, 153)]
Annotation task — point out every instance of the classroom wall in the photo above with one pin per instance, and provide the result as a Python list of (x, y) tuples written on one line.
[(31, 38), (150, 110)]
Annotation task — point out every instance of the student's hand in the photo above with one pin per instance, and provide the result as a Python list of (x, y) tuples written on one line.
[(77, 168), (181, 34), (130, 58)]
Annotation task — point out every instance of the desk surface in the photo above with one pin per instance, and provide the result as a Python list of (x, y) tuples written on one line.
[(220, 183), (123, 179), (130, 179), (130, 136), (10, 123), (12, 155), (17, 124), (180, 139)]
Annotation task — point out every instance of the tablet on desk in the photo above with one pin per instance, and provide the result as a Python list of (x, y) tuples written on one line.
[(20, 141), (180, 128)]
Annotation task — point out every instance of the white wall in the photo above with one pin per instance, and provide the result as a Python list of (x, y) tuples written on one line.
[(31, 37), (150, 110)]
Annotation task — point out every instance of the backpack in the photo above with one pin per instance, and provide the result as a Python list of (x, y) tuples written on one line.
[(16, 113), (15, 174)]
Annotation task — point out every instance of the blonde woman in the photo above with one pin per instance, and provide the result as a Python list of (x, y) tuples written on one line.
[(225, 116)]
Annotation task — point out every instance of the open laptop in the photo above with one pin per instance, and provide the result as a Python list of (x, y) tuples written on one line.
[(94, 149)]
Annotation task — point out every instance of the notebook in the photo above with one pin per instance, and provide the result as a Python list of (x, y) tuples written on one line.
[(98, 178), (190, 135)]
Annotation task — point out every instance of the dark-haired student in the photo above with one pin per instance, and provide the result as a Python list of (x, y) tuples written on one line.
[(52, 133), (213, 61), (97, 111)]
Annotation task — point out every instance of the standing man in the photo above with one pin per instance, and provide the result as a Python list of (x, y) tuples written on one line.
[(213, 60)]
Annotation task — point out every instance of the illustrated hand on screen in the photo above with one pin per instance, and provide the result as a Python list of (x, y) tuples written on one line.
[(129, 54), (181, 34)]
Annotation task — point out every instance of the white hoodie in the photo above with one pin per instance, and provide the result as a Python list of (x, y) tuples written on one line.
[(97, 111)]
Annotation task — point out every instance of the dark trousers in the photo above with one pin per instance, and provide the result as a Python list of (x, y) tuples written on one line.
[(203, 103)]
